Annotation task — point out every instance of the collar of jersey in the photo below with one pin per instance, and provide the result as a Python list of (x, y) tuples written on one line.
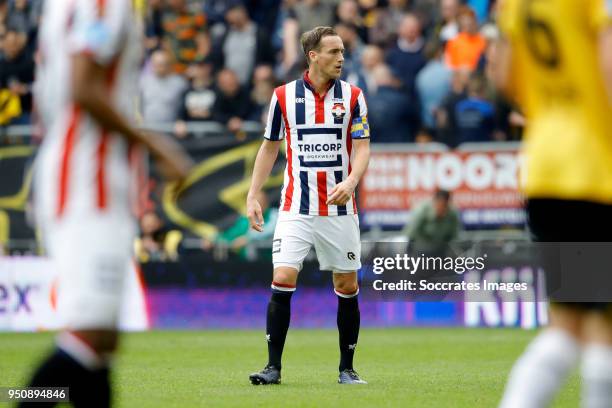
[(310, 86)]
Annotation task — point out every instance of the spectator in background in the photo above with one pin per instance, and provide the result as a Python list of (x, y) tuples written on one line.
[(433, 225), (239, 235), (276, 28), (371, 57), (475, 115), (446, 120), (261, 94), (4, 11), (301, 16), (425, 10), (17, 73), (481, 9), (185, 35), (244, 45), (489, 28), (353, 47), (312, 13), (23, 17), (263, 12), (348, 13), (215, 11), (448, 26), (406, 58), (390, 112), (466, 49), (199, 98), (387, 19), (433, 83), (156, 242), (161, 91), (232, 104), (424, 136), (154, 29)]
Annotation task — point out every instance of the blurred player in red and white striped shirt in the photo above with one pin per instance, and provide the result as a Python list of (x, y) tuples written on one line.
[(90, 55), (324, 123)]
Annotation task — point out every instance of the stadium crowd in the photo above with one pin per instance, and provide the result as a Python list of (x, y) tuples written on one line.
[(421, 63)]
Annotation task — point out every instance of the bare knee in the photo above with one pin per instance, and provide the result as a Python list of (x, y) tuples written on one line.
[(285, 276), (346, 282)]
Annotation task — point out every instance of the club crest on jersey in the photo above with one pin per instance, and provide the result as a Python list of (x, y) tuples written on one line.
[(338, 111)]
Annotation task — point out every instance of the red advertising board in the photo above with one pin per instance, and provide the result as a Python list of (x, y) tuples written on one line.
[(484, 183)]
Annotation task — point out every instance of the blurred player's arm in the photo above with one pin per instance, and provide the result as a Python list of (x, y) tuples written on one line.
[(264, 162), (605, 56), (89, 92), (499, 67), (343, 191)]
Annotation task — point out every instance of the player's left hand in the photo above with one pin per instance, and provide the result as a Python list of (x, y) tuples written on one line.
[(341, 193), (255, 214)]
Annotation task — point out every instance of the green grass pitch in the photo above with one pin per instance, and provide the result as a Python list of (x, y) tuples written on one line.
[(404, 367)]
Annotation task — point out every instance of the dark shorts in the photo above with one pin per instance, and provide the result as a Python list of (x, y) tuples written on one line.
[(561, 221)]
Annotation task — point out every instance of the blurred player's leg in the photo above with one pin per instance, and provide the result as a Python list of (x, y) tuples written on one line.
[(575, 327), (348, 319), (92, 255), (544, 367), (596, 370), (277, 324), (79, 362)]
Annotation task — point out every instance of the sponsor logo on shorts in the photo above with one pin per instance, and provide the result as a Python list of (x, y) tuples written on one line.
[(276, 246), (351, 256)]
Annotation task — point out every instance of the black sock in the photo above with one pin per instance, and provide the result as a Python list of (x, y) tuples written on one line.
[(277, 324), (348, 329), (87, 388)]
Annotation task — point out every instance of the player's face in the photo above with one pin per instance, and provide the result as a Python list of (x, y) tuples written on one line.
[(330, 57)]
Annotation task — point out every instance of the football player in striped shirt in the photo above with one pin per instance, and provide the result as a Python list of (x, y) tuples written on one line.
[(90, 53), (323, 121)]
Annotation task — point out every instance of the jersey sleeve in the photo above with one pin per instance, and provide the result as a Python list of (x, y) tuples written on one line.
[(98, 28), (600, 14), (275, 129), (360, 129), (508, 18)]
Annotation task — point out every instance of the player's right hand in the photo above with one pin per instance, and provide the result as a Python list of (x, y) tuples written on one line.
[(254, 214), (172, 161)]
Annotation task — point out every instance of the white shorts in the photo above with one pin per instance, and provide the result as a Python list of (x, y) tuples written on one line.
[(336, 240), (93, 256)]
